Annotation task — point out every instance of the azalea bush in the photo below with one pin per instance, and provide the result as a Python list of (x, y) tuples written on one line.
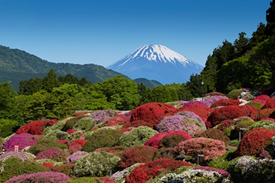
[(76, 156), (44, 144), (139, 154), (209, 148), (225, 102), (199, 108), (101, 116), (52, 153), (231, 112), (96, 164), (155, 140), (21, 140), (137, 136), (149, 170), (40, 177), (254, 141), (187, 121), (103, 137), (17, 154), (215, 134), (13, 167), (36, 127), (152, 112)]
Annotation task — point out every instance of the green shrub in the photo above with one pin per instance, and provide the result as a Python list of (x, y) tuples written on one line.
[(262, 124), (70, 123), (96, 164), (7, 127), (83, 180), (220, 162), (44, 144), (103, 137), (235, 93), (137, 136), (14, 167), (171, 141), (85, 124)]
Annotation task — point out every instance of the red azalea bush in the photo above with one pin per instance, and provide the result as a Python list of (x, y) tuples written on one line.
[(146, 171), (254, 141), (40, 177), (35, 127), (137, 123), (231, 112), (152, 112), (198, 108), (76, 145), (139, 154), (210, 148), (155, 140), (266, 113), (225, 102), (48, 164), (120, 119), (265, 100)]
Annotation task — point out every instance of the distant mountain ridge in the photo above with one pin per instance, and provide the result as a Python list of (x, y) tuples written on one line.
[(147, 83), (17, 65), (157, 62)]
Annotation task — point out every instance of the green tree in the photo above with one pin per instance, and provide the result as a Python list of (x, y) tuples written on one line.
[(7, 95)]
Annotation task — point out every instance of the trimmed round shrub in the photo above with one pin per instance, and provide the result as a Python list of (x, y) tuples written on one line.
[(225, 102), (84, 124), (138, 123), (7, 127), (137, 136), (52, 153), (44, 144), (263, 124), (83, 180), (187, 121), (155, 140), (239, 125), (120, 119), (21, 140), (14, 167), (139, 154), (254, 141), (196, 175), (119, 176), (76, 156), (198, 108), (149, 170), (40, 177), (63, 168), (171, 141), (265, 101), (152, 112), (116, 150), (266, 113), (210, 100), (20, 155), (76, 145), (231, 112), (248, 169), (35, 127), (235, 93), (96, 164), (103, 137), (215, 134), (101, 116), (209, 148)]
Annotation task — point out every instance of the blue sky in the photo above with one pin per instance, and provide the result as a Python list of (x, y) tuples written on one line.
[(104, 31)]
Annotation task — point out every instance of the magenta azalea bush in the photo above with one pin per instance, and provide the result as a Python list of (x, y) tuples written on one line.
[(187, 121), (40, 177), (21, 140), (51, 153), (76, 156)]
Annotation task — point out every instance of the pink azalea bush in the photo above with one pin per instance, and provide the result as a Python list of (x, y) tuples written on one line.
[(187, 121), (22, 140), (210, 100), (101, 116), (76, 156), (210, 148), (40, 177), (51, 153)]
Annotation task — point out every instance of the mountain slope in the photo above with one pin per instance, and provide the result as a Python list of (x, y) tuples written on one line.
[(157, 62), (17, 65), (147, 83)]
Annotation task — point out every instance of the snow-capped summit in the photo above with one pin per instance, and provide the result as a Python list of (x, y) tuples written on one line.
[(157, 62)]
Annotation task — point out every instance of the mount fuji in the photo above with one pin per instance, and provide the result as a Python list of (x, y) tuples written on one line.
[(157, 62)]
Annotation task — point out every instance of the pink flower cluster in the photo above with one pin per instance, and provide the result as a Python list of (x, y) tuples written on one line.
[(21, 140), (40, 177)]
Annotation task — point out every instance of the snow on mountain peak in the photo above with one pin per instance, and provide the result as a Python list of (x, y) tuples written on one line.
[(157, 53)]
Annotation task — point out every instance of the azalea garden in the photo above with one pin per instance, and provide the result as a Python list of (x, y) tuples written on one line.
[(215, 138)]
